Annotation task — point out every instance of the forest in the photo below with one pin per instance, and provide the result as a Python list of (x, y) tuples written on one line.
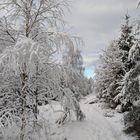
[(44, 92)]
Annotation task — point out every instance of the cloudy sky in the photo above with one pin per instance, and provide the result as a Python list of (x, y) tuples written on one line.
[(98, 22)]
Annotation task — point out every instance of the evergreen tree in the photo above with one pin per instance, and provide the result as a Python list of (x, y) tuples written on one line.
[(109, 74), (130, 94), (115, 65), (126, 41)]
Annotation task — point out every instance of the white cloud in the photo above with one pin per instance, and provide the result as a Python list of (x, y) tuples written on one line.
[(98, 22)]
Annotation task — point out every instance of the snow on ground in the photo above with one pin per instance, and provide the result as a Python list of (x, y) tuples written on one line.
[(100, 124)]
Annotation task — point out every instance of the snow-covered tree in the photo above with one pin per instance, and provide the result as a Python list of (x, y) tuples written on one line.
[(115, 64), (130, 50), (108, 74), (73, 65), (126, 41), (7, 35), (73, 58), (39, 20), (30, 35), (72, 82), (37, 80), (130, 94), (33, 17), (22, 60), (131, 82)]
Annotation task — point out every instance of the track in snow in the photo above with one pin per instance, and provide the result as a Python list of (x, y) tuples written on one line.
[(95, 127)]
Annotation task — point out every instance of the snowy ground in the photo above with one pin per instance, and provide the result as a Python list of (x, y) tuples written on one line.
[(100, 124)]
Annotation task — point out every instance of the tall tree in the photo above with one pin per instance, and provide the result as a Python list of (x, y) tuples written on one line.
[(38, 20), (108, 74), (126, 41), (115, 64), (21, 61), (73, 64)]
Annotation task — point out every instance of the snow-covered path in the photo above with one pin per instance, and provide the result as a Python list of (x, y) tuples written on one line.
[(95, 127)]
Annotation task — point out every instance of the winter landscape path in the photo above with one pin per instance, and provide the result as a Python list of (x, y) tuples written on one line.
[(96, 126)]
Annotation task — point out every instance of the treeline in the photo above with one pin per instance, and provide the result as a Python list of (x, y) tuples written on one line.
[(118, 75)]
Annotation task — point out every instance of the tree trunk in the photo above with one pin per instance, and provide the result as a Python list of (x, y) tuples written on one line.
[(23, 77), (36, 97), (36, 104)]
